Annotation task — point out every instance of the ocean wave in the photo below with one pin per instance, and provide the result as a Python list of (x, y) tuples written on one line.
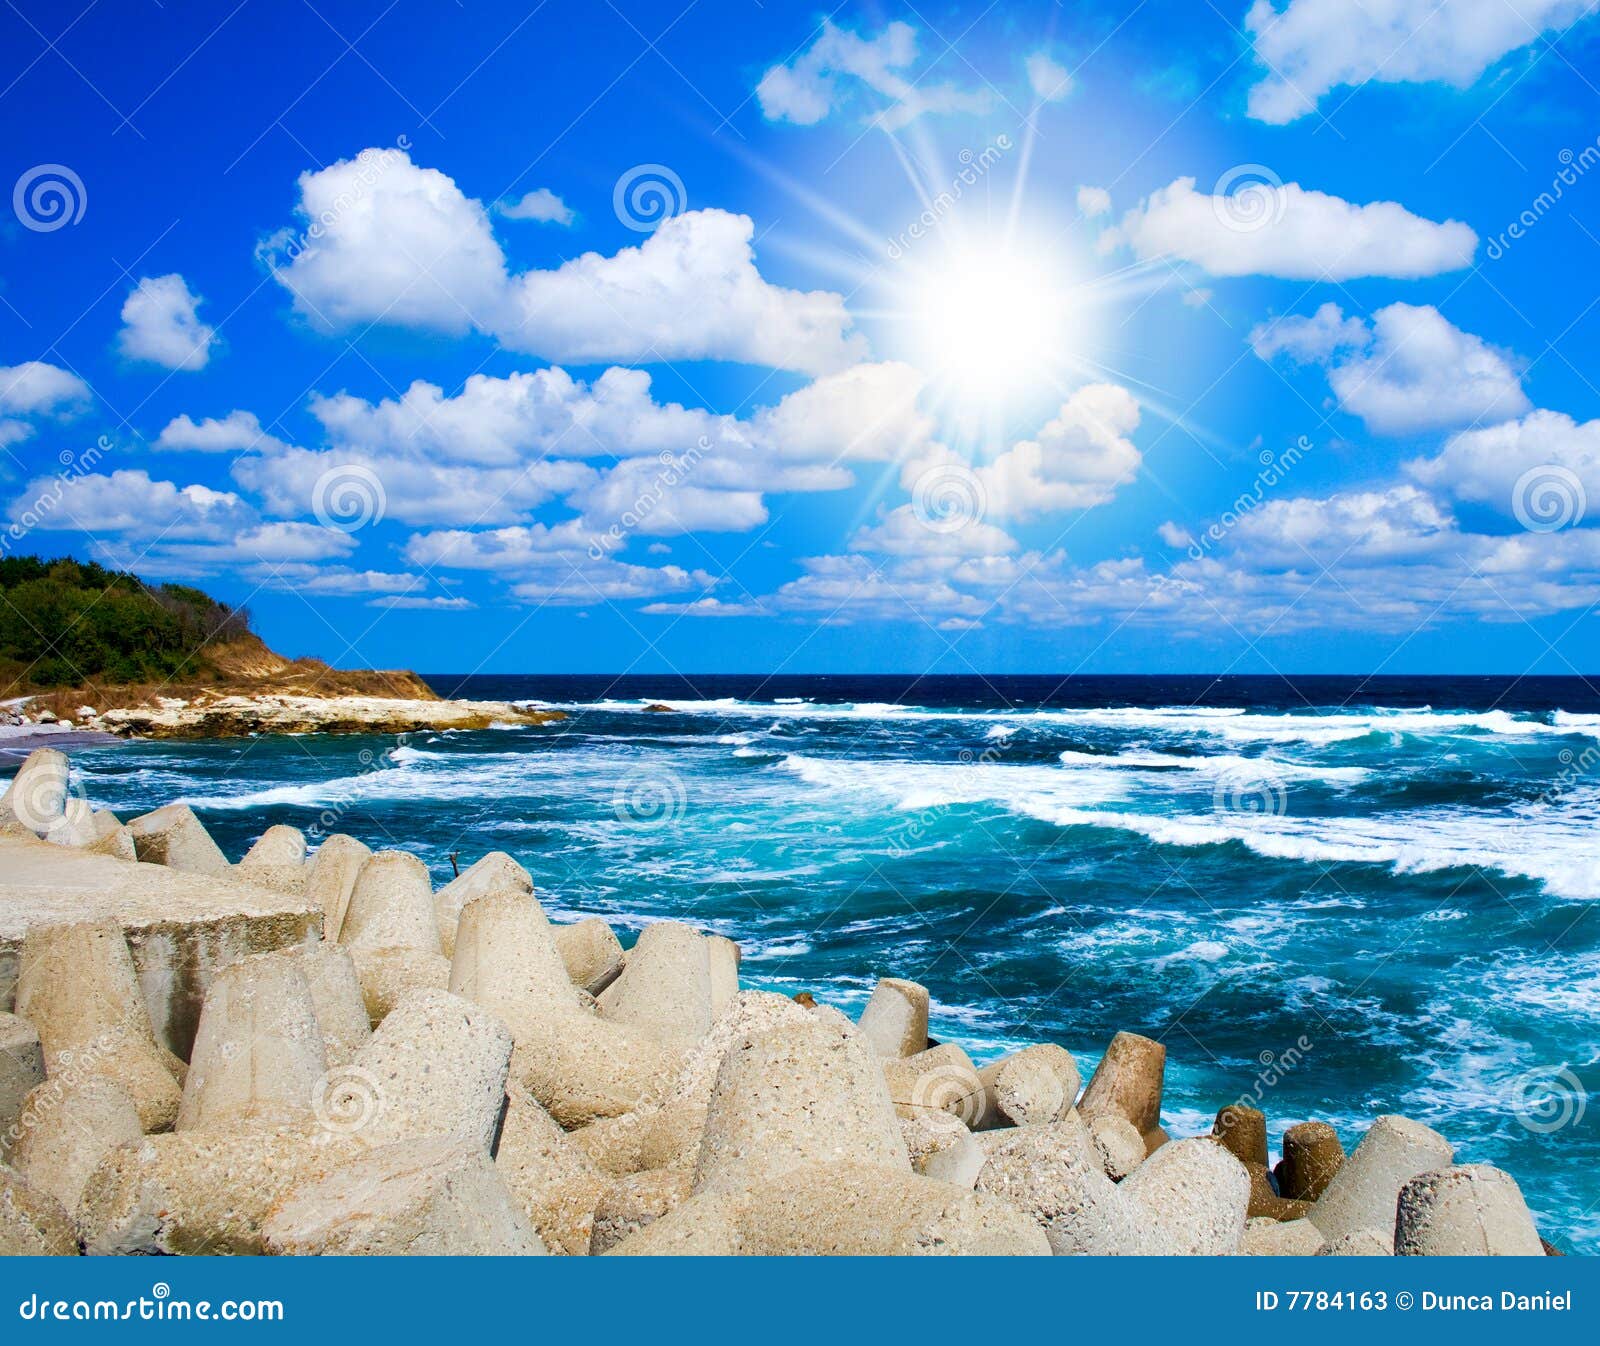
[(1219, 765), (1556, 852), (923, 785)]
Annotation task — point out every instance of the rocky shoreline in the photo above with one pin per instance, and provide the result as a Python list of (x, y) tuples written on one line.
[(239, 715), (319, 1053)]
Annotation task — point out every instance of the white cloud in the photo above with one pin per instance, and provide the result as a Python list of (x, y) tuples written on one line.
[(904, 533), (161, 324), (1048, 78), (1093, 202), (832, 73), (1175, 535), (1486, 465), (1312, 46), (237, 432), (128, 502), (1411, 370), (1290, 232), (705, 607), (36, 389), (690, 291), (408, 248), (1076, 461), (542, 205)]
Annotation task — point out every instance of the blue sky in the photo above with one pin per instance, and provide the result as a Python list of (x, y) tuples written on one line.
[(1113, 338)]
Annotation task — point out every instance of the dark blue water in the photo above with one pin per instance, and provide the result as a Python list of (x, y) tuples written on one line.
[(1334, 896)]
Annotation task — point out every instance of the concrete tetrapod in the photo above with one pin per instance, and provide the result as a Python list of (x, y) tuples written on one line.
[(554, 1183), (32, 1222), (796, 1095), (67, 1130), (392, 932), (1033, 1087), (1312, 1154), (278, 845), (592, 954), (21, 1065), (940, 1084), (1118, 1143), (665, 989), (1196, 1195), (258, 1053), (633, 1202), (174, 837), (330, 974), (76, 984), (1366, 1189), (1128, 1083), (36, 798), (201, 1191), (1266, 1237), (436, 1066), (496, 872), (1050, 1173), (895, 1021), (331, 878), (577, 1065), (1471, 1210), (433, 1196)]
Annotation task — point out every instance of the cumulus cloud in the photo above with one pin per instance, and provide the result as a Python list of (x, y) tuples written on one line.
[(407, 247), (1487, 465), (161, 325), (237, 432), (32, 390), (1290, 232), (542, 205), (1410, 370), (1048, 78), (842, 69), (130, 503), (1310, 47), (1076, 461)]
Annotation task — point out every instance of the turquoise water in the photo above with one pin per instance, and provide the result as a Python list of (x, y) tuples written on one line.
[(1379, 900)]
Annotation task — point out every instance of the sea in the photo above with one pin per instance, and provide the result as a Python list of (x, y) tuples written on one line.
[(1330, 898)]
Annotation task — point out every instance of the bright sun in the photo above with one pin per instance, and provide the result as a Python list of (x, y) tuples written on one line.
[(992, 326)]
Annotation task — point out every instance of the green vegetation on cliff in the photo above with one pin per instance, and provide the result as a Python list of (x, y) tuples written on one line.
[(63, 623)]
